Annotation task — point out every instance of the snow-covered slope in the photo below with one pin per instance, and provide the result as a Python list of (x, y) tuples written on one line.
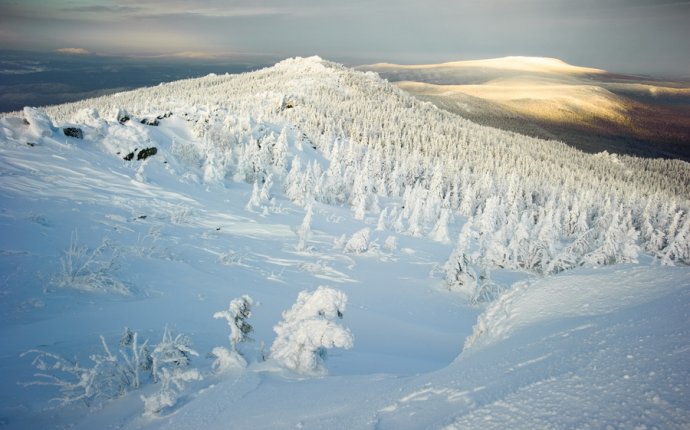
[(308, 174)]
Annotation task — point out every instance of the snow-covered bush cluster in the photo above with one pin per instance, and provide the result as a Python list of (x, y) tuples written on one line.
[(309, 329), (111, 375), (90, 270)]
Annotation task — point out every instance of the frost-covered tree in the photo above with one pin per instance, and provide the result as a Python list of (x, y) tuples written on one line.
[(381, 223), (309, 329), (304, 230), (359, 242), (265, 193), (237, 316), (255, 199), (440, 231), (459, 273), (280, 152)]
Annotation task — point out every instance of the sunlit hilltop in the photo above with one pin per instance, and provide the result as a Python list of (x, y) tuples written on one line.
[(589, 108), (516, 63)]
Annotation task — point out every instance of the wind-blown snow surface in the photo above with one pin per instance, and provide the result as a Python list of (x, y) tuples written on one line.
[(181, 233)]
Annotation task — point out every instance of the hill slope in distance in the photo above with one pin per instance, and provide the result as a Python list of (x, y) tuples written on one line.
[(590, 109)]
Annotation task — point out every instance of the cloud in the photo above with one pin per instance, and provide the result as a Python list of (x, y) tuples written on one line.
[(619, 35), (101, 9), (73, 51)]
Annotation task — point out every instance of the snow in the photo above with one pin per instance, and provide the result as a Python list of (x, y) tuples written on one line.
[(588, 347), (576, 294)]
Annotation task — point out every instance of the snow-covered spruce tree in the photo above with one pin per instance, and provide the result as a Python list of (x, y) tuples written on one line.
[(304, 230), (255, 199), (440, 231), (237, 315), (309, 328), (459, 274)]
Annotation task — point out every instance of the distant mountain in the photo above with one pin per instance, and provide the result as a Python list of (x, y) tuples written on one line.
[(588, 108), (49, 78)]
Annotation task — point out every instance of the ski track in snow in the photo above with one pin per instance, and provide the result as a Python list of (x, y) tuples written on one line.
[(587, 348)]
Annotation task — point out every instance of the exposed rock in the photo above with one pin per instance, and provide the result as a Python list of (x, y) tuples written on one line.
[(150, 121), (122, 116), (129, 156), (147, 152), (73, 132)]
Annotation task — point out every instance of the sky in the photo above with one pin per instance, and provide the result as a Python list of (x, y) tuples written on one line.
[(633, 36)]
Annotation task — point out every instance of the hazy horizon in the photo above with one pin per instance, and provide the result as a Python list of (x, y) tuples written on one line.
[(639, 36)]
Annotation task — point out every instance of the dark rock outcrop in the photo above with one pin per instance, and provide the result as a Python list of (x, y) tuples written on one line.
[(73, 132), (146, 153), (150, 121)]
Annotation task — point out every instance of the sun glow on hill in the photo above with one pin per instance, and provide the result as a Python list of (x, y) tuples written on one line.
[(550, 101), (515, 63)]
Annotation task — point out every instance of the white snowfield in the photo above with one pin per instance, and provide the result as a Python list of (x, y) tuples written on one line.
[(326, 206)]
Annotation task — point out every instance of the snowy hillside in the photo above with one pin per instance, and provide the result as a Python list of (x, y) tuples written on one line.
[(308, 246), (589, 109)]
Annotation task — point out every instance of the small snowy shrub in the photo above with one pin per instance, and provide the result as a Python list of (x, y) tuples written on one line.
[(230, 258), (171, 353), (226, 359), (485, 289), (110, 375), (309, 328), (172, 382), (89, 270), (181, 215), (170, 361), (237, 314), (391, 243), (186, 153), (358, 243)]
